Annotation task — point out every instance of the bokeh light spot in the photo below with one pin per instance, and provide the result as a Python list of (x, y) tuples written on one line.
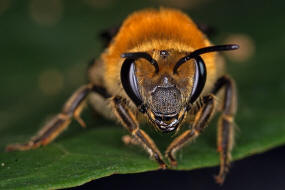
[(77, 74), (51, 82), (46, 12), (4, 5), (246, 50)]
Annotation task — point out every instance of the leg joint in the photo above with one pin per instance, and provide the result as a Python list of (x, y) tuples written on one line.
[(228, 118), (209, 99)]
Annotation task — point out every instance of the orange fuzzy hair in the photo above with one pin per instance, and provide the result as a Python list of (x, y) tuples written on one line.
[(153, 29)]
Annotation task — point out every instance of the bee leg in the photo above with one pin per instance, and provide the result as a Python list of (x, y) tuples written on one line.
[(202, 117), (127, 139), (57, 124), (129, 122), (226, 124)]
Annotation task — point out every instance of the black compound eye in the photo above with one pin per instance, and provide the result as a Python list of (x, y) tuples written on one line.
[(199, 78), (200, 75), (129, 81), (200, 68)]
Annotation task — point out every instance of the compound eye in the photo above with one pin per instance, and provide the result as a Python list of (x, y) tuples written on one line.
[(200, 68), (199, 78), (133, 81), (129, 81)]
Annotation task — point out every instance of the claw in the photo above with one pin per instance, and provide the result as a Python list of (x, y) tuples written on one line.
[(173, 163), (163, 166), (128, 140), (80, 121), (171, 159), (21, 147), (220, 179)]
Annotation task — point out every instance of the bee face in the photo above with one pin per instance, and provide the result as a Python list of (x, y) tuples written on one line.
[(164, 92), (165, 88)]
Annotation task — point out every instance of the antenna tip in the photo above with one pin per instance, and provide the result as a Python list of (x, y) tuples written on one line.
[(234, 46)]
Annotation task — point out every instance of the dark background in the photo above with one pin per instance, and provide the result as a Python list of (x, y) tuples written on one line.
[(264, 171)]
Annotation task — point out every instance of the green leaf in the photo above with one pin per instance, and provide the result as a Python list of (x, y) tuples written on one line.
[(29, 48)]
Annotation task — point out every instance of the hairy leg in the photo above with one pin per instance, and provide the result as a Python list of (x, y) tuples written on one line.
[(202, 117), (129, 122), (226, 124), (72, 109)]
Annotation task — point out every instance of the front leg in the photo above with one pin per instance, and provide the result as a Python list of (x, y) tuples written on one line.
[(129, 122), (202, 117), (226, 124)]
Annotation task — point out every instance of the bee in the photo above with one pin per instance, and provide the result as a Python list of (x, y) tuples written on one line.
[(159, 67)]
